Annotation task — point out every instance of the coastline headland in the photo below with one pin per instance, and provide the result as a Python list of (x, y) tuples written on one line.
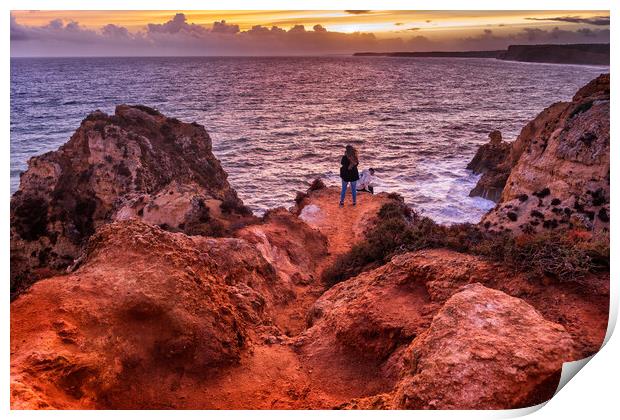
[(591, 54)]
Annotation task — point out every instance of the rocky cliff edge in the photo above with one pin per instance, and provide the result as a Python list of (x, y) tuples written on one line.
[(555, 175)]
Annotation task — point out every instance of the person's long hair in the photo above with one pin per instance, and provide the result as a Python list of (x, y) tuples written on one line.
[(351, 154)]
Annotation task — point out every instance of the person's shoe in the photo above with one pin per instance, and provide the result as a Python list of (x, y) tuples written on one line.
[(341, 204), (354, 204)]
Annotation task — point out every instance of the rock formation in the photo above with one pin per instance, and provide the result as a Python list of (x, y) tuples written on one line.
[(490, 161), (145, 305), (558, 168), (136, 163), (369, 321), (177, 298)]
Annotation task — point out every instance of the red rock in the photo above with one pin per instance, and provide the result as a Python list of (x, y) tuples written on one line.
[(558, 168), (150, 318), (136, 163), (145, 305), (147, 318), (484, 350)]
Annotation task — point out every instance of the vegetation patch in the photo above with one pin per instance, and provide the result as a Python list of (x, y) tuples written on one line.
[(542, 193), (565, 256), (581, 108)]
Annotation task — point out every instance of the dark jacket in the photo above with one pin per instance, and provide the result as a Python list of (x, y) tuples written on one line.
[(348, 175)]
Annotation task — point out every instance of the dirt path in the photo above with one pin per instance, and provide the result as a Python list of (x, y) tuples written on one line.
[(343, 226), (274, 375)]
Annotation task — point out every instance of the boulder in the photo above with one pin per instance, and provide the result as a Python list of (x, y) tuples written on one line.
[(362, 327), (484, 350), (489, 155)]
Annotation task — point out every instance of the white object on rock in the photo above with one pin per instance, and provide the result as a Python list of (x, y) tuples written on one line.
[(310, 214)]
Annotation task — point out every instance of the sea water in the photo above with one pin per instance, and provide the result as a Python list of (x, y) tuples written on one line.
[(278, 123)]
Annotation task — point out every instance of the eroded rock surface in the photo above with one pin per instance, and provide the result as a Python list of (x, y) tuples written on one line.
[(145, 306), (295, 250), (363, 326), (484, 350), (490, 161), (154, 319), (136, 163), (558, 168)]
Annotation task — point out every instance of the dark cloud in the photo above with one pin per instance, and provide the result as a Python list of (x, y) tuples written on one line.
[(399, 23), (178, 24), (222, 27), (587, 32), (597, 20), (115, 32), (421, 43), (18, 32), (297, 29), (488, 40), (179, 37), (259, 30), (55, 29), (357, 12), (413, 29)]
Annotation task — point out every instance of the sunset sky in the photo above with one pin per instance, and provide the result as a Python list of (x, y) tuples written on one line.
[(83, 33)]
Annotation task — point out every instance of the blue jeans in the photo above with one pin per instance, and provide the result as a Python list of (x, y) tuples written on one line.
[(344, 190)]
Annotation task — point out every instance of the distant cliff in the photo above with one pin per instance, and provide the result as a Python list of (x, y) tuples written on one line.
[(561, 54), (594, 54), (461, 54)]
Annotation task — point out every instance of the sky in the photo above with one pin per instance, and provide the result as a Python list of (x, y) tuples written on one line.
[(292, 32)]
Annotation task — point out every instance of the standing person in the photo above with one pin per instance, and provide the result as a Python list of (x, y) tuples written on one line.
[(348, 173)]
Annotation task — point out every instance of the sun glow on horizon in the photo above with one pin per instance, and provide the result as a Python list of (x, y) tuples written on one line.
[(363, 27)]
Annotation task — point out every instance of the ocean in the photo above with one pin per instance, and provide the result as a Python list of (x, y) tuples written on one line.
[(279, 122)]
